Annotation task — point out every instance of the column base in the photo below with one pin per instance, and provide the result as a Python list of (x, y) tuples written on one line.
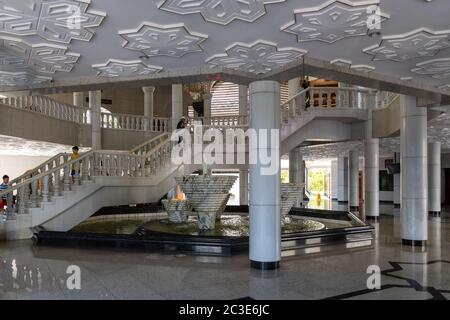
[(354, 208), (414, 243), (435, 213), (264, 266), (396, 205)]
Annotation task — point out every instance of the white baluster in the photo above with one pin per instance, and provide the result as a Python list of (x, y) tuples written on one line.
[(45, 189), (34, 194)]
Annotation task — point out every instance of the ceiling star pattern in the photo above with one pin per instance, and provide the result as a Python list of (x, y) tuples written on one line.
[(58, 20), (416, 44), (157, 40), (22, 78), (117, 68), (45, 58), (333, 21), (220, 11), (349, 64), (259, 57), (436, 68)]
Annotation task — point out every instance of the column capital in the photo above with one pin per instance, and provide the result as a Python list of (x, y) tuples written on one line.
[(207, 96), (149, 89)]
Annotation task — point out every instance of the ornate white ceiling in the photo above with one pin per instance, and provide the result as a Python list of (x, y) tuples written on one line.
[(23, 78), (416, 44), (348, 64), (58, 21), (117, 68), (45, 58), (332, 21), (219, 11), (157, 40), (252, 35), (259, 57)]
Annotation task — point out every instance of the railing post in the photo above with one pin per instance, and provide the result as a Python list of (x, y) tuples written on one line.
[(85, 168), (21, 199), (67, 178), (45, 191), (34, 194), (76, 176)]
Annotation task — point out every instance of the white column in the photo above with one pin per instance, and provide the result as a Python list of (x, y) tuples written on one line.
[(396, 195), (95, 104), (434, 178), (148, 101), (353, 180), (294, 174), (371, 172), (414, 182), (342, 179), (265, 223), (207, 97), (243, 187), (243, 100), (177, 104), (293, 88), (334, 180), (78, 99)]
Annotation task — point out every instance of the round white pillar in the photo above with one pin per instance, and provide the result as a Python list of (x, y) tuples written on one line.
[(177, 104), (265, 223), (342, 179), (334, 180), (207, 97), (243, 187), (95, 105), (78, 99), (434, 178), (371, 172), (148, 101), (293, 88), (243, 101), (353, 180), (414, 182)]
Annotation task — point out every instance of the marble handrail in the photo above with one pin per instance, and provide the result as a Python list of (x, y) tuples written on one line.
[(134, 122), (48, 107)]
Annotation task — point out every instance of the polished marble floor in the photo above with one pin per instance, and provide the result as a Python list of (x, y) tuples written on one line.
[(30, 272)]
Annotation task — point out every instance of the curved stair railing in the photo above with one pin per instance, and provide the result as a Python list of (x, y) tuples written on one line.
[(330, 98), (57, 179), (48, 107)]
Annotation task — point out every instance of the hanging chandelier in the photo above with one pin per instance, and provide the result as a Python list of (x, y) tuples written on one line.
[(198, 89)]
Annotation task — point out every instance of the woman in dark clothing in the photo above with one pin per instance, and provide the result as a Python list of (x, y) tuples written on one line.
[(181, 125)]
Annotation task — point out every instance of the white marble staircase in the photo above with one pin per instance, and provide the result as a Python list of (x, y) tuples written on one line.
[(48, 197)]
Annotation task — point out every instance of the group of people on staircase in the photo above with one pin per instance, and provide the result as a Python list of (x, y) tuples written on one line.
[(5, 180)]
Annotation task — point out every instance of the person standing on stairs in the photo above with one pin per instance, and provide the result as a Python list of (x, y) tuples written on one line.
[(4, 186), (74, 156)]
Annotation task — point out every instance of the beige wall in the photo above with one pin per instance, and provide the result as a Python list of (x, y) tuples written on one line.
[(15, 166), (131, 100)]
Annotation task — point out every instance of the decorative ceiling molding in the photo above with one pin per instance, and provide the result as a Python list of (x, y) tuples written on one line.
[(22, 78), (341, 63), (415, 44), (158, 40), (333, 21), (55, 20), (259, 57), (219, 11), (45, 58), (118, 68), (363, 68), (436, 68), (348, 64), (406, 78)]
